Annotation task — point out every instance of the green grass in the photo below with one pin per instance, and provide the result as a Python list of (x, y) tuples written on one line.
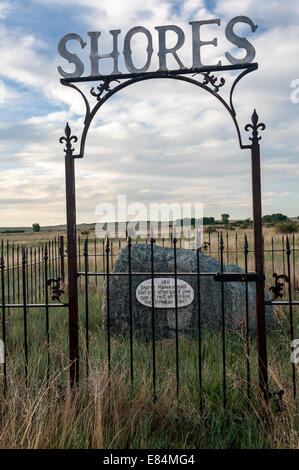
[(129, 418), (106, 412)]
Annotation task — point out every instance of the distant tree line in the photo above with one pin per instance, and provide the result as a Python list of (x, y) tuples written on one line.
[(225, 220), (275, 218), (13, 231)]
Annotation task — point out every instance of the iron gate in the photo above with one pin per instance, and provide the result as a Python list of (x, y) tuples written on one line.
[(209, 82), (33, 327)]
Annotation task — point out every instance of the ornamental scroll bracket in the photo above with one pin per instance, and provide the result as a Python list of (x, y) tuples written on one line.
[(277, 289), (56, 291)]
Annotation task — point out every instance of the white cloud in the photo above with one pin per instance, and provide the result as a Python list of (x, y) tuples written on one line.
[(157, 140), (5, 9)]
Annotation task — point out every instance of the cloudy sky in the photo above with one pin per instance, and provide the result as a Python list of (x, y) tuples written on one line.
[(156, 141)]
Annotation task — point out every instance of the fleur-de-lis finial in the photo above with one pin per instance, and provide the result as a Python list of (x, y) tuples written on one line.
[(255, 127), (68, 138)]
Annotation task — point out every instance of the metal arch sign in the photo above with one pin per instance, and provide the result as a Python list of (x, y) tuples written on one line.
[(204, 80), (163, 52)]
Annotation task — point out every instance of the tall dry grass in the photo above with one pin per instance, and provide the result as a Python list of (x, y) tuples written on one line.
[(103, 413)]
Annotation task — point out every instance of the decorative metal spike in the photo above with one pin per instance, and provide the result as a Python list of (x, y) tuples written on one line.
[(288, 246), (68, 138), (151, 232), (221, 241), (255, 127), (254, 118), (246, 244), (107, 244), (86, 247), (67, 131)]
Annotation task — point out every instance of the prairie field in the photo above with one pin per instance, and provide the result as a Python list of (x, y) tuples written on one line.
[(108, 409)]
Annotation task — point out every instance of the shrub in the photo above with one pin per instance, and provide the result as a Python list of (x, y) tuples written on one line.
[(208, 220), (36, 227), (247, 225), (210, 229), (287, 227), (225, 218), (275, 218)]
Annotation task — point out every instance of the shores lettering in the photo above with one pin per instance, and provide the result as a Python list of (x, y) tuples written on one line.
[(165, 33)]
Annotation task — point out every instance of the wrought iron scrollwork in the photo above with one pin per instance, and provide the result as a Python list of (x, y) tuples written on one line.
[(278, 400), (212, 80), (104, 86), (210, 83), (205, 245), (56, 291), (68, 138), (279, 285), (255, 126)]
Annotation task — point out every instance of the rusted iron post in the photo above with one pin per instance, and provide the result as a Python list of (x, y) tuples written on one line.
[(61, 253), (259, 252), (72, 256)]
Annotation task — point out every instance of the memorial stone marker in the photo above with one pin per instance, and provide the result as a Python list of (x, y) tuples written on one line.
[(164, 294), (164, 291)]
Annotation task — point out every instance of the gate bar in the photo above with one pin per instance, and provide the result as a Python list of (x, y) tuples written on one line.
[(71, 255), (162, 73), (258, 252)]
